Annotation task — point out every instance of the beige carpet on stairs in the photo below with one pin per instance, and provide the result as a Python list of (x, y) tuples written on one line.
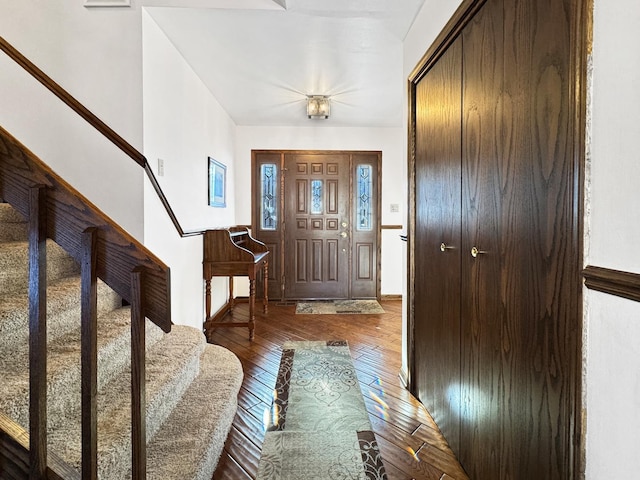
[(191, 389)]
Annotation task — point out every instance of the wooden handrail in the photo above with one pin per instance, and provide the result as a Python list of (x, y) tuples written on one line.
[(96, 123)]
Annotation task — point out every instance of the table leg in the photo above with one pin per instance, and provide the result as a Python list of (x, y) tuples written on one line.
[(207, 297), (232, 301)]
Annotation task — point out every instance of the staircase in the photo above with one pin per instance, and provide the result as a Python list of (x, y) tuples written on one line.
[(191, 386)]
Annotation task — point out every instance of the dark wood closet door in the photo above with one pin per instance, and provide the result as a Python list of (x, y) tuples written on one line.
[(437, 242), (541, 328), (487, 204), (518, 345)]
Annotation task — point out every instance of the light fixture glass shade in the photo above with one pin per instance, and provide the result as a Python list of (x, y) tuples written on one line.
[(318, 106)]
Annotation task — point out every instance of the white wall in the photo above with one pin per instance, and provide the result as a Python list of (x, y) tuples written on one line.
[(96, 56), (612, 324), (183, 125), (392, 143)]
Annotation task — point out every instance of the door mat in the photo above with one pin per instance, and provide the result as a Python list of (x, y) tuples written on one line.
[(318, 426), (339, 306)]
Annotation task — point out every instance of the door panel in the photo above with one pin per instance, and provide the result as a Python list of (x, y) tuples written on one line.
[(365, 221), (541, 369), (437, 275), (483, 205), (266, 214), (318, 185)]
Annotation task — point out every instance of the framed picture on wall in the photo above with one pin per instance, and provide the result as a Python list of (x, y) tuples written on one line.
[(217, 183)]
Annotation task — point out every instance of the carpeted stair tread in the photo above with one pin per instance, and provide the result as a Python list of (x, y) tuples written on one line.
[(189, 444), (63, 368), (63, 312), (171, 365), (14, 265)]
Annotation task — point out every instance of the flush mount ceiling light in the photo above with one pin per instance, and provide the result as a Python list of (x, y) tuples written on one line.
[(318, 106)]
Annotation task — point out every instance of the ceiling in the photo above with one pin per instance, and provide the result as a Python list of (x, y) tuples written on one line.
[(261, 58)]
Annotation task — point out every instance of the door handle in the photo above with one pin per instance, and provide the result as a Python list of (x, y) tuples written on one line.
[(444, 247), (343, 234), (475, 252)]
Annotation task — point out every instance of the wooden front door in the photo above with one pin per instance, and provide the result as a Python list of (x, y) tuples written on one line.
[(318, 213), (318, 226)]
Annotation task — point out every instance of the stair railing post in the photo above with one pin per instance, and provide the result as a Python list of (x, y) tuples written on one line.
[(89, 349), (37, 332), (138, 400)]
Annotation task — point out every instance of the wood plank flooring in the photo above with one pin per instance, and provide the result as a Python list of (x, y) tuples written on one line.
[(412, 447)]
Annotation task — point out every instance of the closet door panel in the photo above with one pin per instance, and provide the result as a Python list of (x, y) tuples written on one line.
[(437, 242), (541, 279), (483, 309)]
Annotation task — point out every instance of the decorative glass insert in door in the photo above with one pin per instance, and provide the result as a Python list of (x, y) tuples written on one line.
[(363, 198), (316, 196), (269, 204)]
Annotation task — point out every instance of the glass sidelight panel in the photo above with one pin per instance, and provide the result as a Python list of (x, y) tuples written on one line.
[(316, 196), (364, 200), (268, 204)]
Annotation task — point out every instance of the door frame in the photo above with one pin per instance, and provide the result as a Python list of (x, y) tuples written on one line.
[(276, 242), (582, 40)]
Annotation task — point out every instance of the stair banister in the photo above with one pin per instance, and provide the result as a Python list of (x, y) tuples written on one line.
[(103, 251), (55, 210)]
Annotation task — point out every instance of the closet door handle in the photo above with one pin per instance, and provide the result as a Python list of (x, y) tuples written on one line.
[(444, 247), (475, 252)]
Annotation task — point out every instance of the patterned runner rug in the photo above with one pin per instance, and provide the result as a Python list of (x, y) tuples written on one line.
[(340, 306), (318, 427)]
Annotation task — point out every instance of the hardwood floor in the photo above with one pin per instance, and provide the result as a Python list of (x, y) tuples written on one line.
[(375, 343)]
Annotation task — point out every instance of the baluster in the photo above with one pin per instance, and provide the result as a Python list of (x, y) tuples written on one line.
[(38, 331), (89, 364), (138, 401)]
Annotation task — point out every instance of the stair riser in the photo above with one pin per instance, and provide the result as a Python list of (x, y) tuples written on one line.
[(14, 232), (171, 367), (63, 382), (63, 314), (116, 463), (14, 266)]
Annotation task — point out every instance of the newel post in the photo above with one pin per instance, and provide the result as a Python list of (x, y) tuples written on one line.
[(138, 396), (37, 332)]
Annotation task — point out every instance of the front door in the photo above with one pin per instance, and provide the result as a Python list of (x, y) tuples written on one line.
[(318, 225), (325, 241)]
